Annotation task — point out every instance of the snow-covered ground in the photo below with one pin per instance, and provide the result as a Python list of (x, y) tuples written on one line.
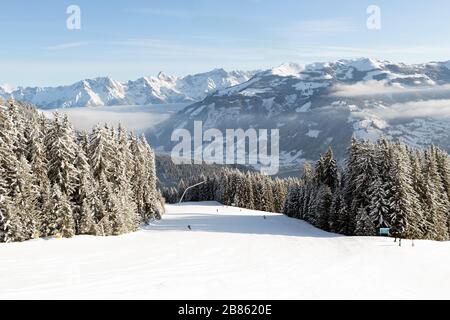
[(229, 254)]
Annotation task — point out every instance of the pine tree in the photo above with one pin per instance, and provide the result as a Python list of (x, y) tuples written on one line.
[(66, 223), (47, 219), (25, 200), (103, 207), (379, 204), (151, 209), (402, 205), (61, 148), (336, 212), (87, 224), (101, 153), (8, 159), (364, 224), (308, 199), (246, 192), (85, 190), (323, 206), (264, 189), (313, 204), (10, 224), (124, 166), (417, 221), (17, 131), (38, 160), (437, 215), (237, 182), (279, 194), (327, 171), (362, 171), (144, 180), (84, 142), (293, 202), (59, 215), (346, 221), (443, 165), (117, 224)]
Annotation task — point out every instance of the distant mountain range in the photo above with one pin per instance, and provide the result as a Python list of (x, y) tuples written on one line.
[(314, 106), (144, 91), (324, 104)]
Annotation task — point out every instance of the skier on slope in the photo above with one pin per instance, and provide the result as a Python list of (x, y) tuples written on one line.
[(397, 232)]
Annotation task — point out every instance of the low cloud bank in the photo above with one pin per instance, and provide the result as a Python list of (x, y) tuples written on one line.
[(377, 88), (130, 118), (418, 109), (416, 102)]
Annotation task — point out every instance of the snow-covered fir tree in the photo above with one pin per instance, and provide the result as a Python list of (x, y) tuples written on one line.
[(61, 149), (323, 202), (292, 204), (364, 224), (54, 181), (435, 199), (384, 185)]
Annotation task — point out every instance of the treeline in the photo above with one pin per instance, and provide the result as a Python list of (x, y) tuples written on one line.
[(58, 182), (232, 187), (384, 185), (170, 174)]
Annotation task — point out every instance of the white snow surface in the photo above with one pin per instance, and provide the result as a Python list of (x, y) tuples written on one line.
[(230, 253)]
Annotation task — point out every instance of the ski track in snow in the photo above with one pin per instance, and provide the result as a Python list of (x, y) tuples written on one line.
[(230, 254)]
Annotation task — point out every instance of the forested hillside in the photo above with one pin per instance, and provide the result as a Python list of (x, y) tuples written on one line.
[(232, 187), (169, 174), (58, 182)]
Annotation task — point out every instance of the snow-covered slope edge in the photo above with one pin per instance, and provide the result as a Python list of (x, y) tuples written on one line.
[(231, 253)]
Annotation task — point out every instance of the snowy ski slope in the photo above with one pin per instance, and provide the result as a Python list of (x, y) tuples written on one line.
[(229, 254)]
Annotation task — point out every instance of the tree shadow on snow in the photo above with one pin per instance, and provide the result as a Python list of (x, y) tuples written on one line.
[(241, 224)]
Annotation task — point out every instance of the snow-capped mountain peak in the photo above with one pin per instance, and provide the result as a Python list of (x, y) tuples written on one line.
[(287, 70), (6, 88), (364, 64), (163, 77)]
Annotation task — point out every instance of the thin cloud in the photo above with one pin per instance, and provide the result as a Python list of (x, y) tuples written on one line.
[(307, 29), (194, 14), (413, 53), (70, 45), (167, 13), (325, 26), (381, 88), (418, 109)]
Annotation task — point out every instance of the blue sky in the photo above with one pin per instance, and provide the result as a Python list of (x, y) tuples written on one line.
[(130, 39)]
